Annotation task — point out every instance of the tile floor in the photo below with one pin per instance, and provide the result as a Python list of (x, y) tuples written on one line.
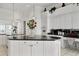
[(69, 52)]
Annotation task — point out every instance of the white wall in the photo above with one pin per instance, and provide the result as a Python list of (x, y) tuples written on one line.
[(7, 16)]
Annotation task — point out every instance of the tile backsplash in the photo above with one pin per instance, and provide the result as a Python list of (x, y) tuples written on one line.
[(64, 32)]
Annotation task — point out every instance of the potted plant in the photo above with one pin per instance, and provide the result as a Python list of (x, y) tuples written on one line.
[(31, 24)]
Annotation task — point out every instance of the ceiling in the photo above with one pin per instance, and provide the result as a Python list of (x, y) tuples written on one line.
[(22, 8), (25, 9)]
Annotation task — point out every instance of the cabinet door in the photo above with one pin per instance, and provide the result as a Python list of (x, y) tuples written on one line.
[(75, 18), (1, 40), (51, 48), (26, 48), (54, 23), (65, 21), (13, 48), (4, 40), (19, 48), (37, 49), (62, 42)]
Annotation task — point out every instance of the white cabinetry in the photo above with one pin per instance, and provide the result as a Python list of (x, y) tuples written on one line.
[(61, 18), (3, 40), (13, 47), (62, 42), (64, 10), (37, 49), (0, 40), (75, 19), (65, 21), (25, 48), (33, 48), (19, 48), (52, 48), (54, 22), (65, 18), (61, 22)]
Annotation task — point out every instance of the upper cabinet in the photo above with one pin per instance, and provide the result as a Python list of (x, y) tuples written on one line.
[(65, 10), (61, 22), (75, 20), (65, 18), (65, 21), (54, 22)]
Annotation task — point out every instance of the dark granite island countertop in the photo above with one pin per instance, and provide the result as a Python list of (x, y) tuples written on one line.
[(35, 38)]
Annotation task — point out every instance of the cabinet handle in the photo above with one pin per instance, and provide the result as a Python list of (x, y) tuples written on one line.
[(25, 42), (31, 45)]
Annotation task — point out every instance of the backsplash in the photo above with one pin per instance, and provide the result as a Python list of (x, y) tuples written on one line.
[(64, 32)]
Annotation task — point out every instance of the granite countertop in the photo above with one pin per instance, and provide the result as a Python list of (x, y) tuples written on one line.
[(71, 37), (76, 36), (35, 38)]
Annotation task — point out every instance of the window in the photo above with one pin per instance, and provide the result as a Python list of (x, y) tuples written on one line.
[(2, 29)]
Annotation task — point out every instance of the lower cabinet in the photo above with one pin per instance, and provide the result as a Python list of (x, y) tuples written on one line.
[(19, 48), (37, 49), (25, 48), (52, 48), (13, 48), (33, 48), (3, 40)]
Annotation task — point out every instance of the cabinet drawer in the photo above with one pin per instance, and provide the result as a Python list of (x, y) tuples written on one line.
[(20, 42)]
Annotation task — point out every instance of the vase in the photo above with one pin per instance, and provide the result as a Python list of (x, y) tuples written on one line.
[(31, 33)]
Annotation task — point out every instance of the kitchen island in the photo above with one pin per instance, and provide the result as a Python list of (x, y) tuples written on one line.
[(34, 46)]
